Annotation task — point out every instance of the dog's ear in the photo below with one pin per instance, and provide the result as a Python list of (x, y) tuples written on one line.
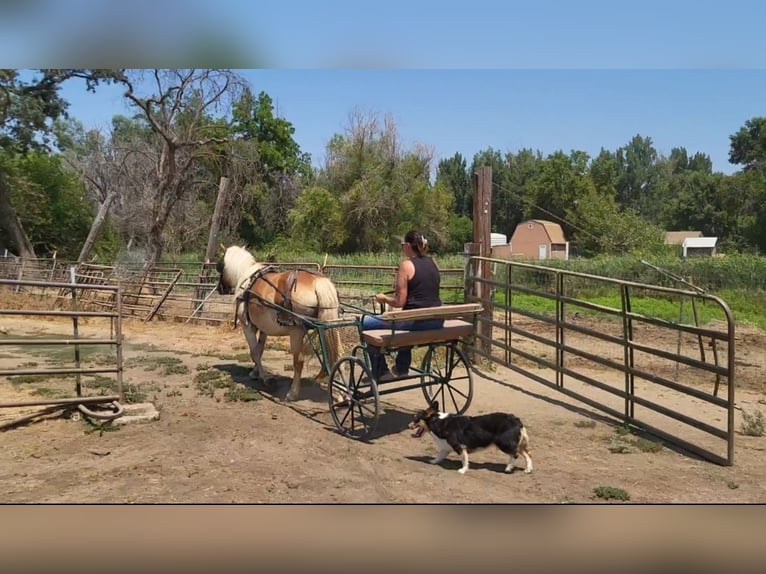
[(435, 405)]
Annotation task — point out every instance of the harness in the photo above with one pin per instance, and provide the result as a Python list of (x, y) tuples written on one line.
[(288, 310)]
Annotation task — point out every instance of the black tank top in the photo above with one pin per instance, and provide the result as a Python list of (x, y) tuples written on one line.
[(423, 288)]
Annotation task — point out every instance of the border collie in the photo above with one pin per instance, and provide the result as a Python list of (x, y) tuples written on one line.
[(464, 434)]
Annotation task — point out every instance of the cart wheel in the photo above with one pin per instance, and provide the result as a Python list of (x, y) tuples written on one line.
[(353, 398), (447, 378)]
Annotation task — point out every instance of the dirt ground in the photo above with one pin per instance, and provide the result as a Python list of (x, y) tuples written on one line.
[(207, 449)]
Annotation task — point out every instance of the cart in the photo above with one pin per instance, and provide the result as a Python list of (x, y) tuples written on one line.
[(444, 373)]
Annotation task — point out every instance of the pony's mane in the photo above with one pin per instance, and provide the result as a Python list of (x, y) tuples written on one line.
[(239, 263)]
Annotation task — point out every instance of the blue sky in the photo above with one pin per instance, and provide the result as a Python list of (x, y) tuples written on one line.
[(467, 111), (507, 74)]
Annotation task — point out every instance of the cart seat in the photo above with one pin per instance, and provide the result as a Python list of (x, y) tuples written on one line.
[(453, 329)]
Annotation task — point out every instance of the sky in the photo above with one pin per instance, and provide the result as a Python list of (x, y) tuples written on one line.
[(467, 111), (546, 74)]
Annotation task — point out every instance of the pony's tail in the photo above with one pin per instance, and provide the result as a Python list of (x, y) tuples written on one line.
[(329, 310)]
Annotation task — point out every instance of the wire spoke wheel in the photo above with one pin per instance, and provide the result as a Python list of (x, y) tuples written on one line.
[(353, 398), (447, 378)]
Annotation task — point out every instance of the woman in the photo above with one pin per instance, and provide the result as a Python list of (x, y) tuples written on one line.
[(417, 287)]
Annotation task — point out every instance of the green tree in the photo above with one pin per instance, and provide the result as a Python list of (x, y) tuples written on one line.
[(317, 220), (639, 184), (602, 228), (27, 107), (453, 173), (563, 182), (605, 173), (50, 201), (382, 187), (748, 145), (283, 169)]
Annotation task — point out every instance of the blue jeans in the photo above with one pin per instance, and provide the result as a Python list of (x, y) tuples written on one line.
[(403, 354)]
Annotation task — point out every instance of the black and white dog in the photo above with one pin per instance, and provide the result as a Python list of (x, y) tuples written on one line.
[(464, 434)]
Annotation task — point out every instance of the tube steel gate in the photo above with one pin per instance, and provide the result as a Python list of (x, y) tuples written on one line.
[(651, 356)]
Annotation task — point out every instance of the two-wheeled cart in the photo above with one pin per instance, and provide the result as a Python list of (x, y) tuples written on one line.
[(444, 374)]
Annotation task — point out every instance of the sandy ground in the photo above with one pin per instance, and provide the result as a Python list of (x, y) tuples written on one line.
[(205, 448)]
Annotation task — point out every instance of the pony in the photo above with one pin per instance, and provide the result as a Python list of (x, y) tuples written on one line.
[(262, 294)]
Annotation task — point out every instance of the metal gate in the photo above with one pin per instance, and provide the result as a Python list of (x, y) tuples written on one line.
[(652, 356)]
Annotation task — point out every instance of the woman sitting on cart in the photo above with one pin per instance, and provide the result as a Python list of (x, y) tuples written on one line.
[(417, 287)]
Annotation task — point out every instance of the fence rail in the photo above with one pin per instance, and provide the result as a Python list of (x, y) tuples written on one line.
[(651, 372), (187, 293), (77, 342)]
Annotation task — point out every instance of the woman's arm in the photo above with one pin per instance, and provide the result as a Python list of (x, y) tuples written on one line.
[(405, 272)]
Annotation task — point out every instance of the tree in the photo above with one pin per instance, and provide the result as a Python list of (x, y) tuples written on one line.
[(603, 229), (605, 173), (177, 108), (283, 169), (748, 145), (380, 185), (27, 108), (317, 220), (563, 182), (49, 200), (639, 184), (453, 174), (95, 159)]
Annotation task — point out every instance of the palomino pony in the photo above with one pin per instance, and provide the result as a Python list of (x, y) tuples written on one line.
[(262, 294)]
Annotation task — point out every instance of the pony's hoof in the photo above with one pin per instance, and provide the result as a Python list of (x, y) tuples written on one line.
[(291, 398)]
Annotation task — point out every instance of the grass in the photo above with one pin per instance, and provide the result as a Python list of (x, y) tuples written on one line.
[(669, 310), (611, 493), (133, 393), (585, 424), (49, 393), (27, 379), (623, 442), (209, 381), (165, 364)]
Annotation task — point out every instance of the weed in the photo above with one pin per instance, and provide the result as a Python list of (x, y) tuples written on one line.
[(175, 370), (239, 392), (646, 445), (733, 485), (100, 428), (207, 382), (619, 447), (133, 394), (174, 393), (26, 379), (46, 392), (752, 425), (585, 424), (611, 493), (622, 443)]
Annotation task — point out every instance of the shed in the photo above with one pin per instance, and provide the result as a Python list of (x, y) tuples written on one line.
[(699, 246), (498, 239), (678, 237), (539, 239)]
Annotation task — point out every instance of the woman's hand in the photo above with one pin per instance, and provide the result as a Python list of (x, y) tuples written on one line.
[(381, 298)]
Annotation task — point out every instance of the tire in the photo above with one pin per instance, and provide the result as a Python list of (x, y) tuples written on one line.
[(447, 378), (353, 398)]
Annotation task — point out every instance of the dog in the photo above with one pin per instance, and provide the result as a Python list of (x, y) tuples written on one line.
[(464, 434)]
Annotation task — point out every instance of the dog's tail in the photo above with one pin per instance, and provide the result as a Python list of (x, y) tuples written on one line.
[(523, 449)]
